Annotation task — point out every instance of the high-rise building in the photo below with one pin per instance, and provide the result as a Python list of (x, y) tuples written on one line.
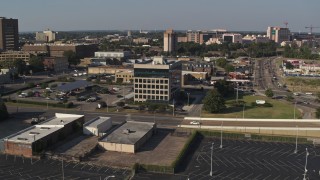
[(169, 41), (278, 34), (159, 80), (9, 34), (46, 36)]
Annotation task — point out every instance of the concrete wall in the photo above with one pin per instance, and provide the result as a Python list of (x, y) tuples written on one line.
[(128, 148)]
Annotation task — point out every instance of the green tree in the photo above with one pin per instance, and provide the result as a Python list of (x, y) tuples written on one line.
[(318, 113), (36, 64), (229, 68), (20, 65), (3, 110), (269, 93), (224, 87), (222, 62), (72, 57), (214, 102)]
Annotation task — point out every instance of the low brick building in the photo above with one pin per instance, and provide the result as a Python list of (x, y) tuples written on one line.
[(57, 64), (35, 139)]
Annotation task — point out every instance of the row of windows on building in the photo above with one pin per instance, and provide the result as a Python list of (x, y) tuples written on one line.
[(130, 76), (150, 97), (151, 81), (151, 91), (151, 86)]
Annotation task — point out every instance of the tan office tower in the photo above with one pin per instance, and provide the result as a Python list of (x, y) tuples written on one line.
[(278, 34), (169, 41), (9, 34)]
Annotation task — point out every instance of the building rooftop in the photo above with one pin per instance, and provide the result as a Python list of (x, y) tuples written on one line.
[(96, 121), (41, 130), (129, 133)]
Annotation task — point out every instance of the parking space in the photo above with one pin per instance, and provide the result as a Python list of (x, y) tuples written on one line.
[(244, 159), (12, 167)]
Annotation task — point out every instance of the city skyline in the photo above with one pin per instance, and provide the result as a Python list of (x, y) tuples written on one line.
[(243, 15)]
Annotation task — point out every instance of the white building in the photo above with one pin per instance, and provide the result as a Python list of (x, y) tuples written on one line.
[(46, 36), (97, 126), (123, 54)]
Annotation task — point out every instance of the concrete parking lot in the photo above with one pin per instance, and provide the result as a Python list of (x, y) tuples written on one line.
[(12, 168)]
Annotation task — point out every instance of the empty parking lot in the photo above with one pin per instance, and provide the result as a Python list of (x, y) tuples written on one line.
[(244, 159), (12, 168)]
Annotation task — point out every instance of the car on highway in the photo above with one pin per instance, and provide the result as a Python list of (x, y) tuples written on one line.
[(195, 122)]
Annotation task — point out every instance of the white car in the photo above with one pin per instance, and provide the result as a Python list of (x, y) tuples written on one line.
[(195, 122)]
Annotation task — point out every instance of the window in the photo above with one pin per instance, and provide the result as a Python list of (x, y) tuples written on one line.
[(161, 81), (149, 86), (144, 80), (136, 85), (144, 86), (140, 80), (140, 85), (136, 91), (153, 86), (161, 92), (152, 91), (157, 86), (140, 91), (136, 96)]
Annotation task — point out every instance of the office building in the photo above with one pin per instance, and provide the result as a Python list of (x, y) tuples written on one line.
[(46, 36), (169, 41), (278, 34), (57, 50), (129, 137), (232, 38), (35, 139), (124, 76), (13, 55), (56, 64), (157, 81), (9, 34)]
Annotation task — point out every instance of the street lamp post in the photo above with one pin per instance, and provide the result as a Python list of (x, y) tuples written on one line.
[(62, 170), (237, 92), (305, 166), (297, 134), (188, 98), (221, 135), (294, 110), (211, 158), (244, 105)]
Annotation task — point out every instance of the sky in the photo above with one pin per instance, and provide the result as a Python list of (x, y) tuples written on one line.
[(233, 15)]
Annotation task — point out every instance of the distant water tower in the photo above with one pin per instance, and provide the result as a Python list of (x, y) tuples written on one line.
[(129, 34)]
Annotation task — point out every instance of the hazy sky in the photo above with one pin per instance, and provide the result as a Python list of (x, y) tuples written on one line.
[(60, 15)]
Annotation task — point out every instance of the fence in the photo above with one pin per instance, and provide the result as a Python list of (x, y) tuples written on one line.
[(1, 145)]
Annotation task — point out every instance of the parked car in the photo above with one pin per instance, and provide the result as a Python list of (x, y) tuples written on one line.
[(37, 120)]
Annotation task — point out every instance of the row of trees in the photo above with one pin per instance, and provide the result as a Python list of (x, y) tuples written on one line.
[(303, 52)]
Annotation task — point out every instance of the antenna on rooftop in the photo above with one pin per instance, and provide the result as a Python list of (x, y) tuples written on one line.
[(286, 23)]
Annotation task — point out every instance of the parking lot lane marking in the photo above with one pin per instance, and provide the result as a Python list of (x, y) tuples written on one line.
[(76, 165), (34, 162), (221, 161), (298, 168)]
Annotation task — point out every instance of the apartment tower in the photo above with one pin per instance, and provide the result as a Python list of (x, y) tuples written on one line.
[(169, 41)]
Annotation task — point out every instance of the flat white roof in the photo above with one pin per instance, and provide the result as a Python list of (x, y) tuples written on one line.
[(96, 121), (39, 131), (136, 131)]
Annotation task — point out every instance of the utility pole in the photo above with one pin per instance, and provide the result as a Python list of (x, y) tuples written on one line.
[(188, 98), (237, 92)]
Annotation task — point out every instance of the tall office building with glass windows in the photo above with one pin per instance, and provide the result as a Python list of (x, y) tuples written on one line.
[(157, 81), (9, 34)]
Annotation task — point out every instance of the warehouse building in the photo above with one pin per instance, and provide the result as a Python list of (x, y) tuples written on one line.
[(97, 126), (129, 137), (35, 139)]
